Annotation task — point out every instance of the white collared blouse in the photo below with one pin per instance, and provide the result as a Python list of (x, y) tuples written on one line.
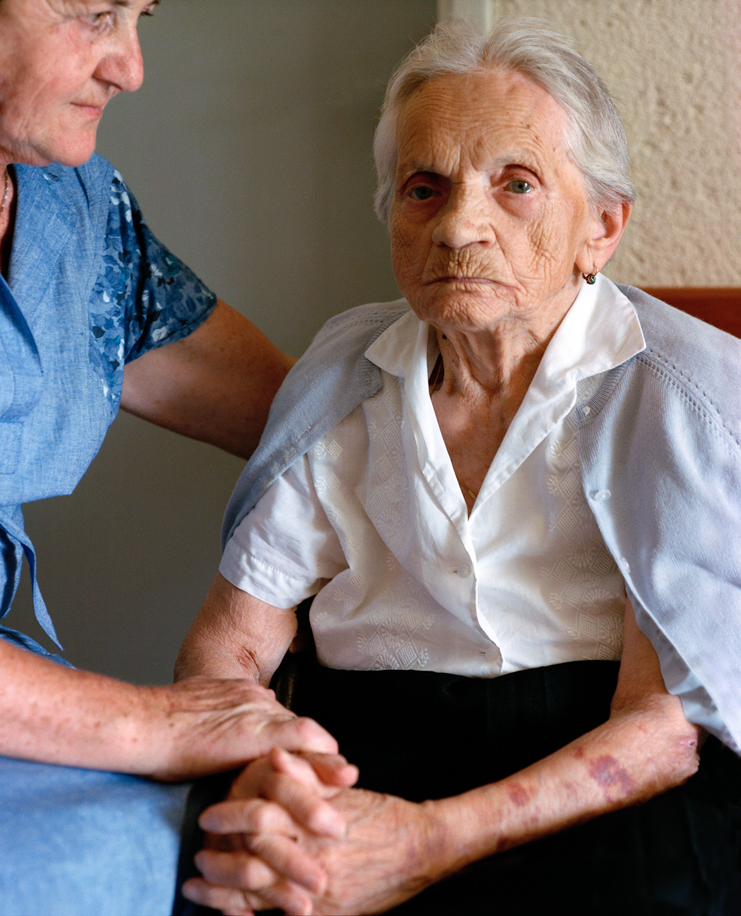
[(372, 520)]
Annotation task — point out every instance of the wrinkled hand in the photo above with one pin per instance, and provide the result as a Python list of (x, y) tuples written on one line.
[(378, 861), (212, 725), (265, 811)]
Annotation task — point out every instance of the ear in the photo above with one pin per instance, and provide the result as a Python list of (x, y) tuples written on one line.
[(608, 228)]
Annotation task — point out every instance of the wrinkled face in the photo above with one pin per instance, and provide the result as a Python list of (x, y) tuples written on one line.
[(489, 216), (61, 61)]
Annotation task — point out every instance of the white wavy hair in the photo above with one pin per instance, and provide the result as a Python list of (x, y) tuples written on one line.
[(597, 141)]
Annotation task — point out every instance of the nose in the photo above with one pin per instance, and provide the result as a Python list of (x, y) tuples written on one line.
[(123, 66), (465, 219)]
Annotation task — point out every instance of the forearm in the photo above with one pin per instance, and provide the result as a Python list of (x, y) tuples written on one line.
[(631, 758), (645, 747), (235, 635), (203, 656), (59, 715)]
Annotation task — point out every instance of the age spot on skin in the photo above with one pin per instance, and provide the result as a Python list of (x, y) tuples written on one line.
[(608, 773)]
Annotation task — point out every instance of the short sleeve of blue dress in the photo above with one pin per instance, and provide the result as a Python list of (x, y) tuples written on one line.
[(147, 297)]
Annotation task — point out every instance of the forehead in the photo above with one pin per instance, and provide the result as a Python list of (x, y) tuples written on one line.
[(65, 7), (476, 116)]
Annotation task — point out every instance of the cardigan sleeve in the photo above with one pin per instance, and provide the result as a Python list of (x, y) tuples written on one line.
[(660, 446)]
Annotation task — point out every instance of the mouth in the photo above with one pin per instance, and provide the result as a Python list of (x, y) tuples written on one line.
[(462, 280), (92, 111), (92, 107)]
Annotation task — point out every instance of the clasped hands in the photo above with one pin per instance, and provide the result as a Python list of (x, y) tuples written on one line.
[(293, 834)]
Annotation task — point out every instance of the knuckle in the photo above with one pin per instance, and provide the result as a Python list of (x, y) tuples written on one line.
[(263, 817), (254, 874)]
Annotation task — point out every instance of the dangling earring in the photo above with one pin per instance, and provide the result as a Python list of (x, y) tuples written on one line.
[(590, 278)]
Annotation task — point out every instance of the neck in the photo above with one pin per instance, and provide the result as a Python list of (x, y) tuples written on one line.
[(502, 358), (499, 367)]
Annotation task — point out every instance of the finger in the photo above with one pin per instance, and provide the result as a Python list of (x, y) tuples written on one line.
[(250, 815), (234, 902), (224, 899), (299, 790), (305, 806), (267, 860), (288, 861), (235, 868), (301, 734), (332, 769)]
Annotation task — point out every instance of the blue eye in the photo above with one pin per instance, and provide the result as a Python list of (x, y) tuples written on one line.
[(519, 186), (421, 192)]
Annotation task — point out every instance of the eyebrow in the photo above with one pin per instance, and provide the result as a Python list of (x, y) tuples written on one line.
[(128, 3)]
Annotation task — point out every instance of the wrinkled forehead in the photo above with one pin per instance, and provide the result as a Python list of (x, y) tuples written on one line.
[(479, 115), (70, 6)]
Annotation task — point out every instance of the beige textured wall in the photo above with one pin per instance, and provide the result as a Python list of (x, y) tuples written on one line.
[(674, 69)]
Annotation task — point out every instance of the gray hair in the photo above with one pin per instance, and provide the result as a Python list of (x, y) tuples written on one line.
[(597, 141)]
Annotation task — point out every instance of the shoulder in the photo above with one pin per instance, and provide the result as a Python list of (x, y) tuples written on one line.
[(357, 327), (329, 381), (660, 445), (687, 363), (688, 350), (334, 368)]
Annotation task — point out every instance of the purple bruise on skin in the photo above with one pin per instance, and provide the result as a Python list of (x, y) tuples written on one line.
[(519, 795), (608, 773)]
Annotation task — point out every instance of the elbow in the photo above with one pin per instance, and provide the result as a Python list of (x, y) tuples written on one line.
[(207, 652), (683, 755), (665, 746), (673, 753)]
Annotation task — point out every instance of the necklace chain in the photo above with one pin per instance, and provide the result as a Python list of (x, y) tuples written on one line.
[(5, 193)]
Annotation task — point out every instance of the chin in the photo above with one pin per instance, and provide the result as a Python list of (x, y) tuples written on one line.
[(469, 312), (72, 146), (75, 156), (64, 154)]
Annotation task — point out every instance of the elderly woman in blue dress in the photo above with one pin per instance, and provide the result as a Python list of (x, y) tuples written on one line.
[(96, 314), (514, 496)]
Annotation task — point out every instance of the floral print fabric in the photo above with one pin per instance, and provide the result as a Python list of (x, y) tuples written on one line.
[(144, 296)]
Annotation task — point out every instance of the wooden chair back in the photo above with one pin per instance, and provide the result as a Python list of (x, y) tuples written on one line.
[(717, 305)]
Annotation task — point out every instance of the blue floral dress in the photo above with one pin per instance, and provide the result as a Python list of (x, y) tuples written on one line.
[(90, 289)]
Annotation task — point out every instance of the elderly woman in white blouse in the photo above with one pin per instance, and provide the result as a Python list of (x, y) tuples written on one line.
[(471, 513)]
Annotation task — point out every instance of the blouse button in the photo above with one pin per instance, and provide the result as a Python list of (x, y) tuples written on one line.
[(464, 570), (601, 496)]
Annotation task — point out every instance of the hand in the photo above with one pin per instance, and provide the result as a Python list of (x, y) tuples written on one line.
[(268, 804), (212, 725), (378, 861)]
